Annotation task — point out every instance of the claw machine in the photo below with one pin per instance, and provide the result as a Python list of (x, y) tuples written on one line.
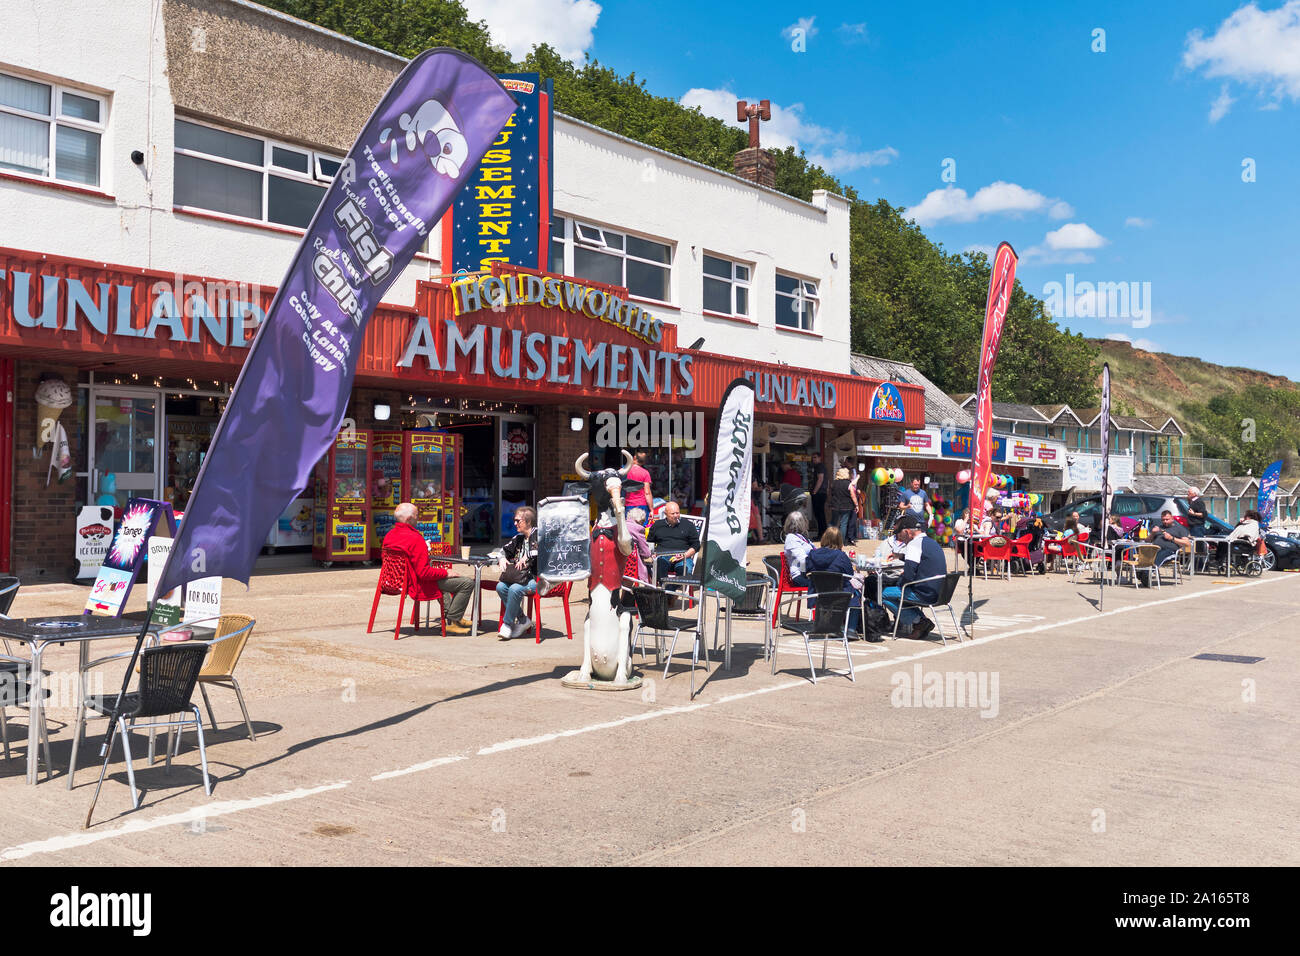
[(342, 505), (431, 463), (387, 484)]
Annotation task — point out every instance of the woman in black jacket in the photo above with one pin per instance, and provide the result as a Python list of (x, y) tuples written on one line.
[(518, 574)]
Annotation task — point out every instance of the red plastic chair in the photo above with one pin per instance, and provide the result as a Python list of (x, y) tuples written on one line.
[(1020, 549), (560, 590), (986, 551), (785, 585), (396, 578)]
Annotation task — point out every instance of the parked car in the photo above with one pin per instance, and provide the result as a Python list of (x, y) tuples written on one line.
[(1138, 507)]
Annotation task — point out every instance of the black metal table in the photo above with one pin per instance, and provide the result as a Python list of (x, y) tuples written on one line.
[(38, 633)]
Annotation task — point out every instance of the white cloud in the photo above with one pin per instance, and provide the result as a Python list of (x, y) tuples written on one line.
[(979, 247), (851, 33), (1074, 235), (1222, 103), (1145, 345), (1260, 48), (803, 23), (1001, 197), (830, 149), (1137, 222), (566, 25)]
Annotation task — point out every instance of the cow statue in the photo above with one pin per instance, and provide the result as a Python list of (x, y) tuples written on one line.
[(605, 647)]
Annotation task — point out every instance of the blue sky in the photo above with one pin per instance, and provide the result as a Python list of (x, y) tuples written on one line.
[(1122, 165)]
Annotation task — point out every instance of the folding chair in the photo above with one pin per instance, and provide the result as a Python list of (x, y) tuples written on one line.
[(830, 622), (944, 600)]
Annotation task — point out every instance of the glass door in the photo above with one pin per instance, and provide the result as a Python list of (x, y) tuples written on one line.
[(516, 458), (124, 444)]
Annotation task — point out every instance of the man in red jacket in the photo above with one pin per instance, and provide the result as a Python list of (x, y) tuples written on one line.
[(430, 582)]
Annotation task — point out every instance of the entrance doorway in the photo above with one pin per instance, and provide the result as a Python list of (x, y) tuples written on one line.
[(123, 443)]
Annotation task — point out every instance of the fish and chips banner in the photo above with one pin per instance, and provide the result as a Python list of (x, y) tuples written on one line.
[(414, 154), (726, 526), (1002, 279), (1267, 502)]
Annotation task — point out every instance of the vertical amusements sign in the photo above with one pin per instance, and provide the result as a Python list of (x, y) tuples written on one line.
[(503, 215)]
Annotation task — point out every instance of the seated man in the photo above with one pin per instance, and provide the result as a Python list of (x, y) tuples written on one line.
[(924, 558), (1170, 537), (672, 536), (430, 582)]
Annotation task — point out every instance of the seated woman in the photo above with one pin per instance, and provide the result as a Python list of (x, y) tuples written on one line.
[(797, 547), (830, 556), (1242, 538), (518, 574), (636, 519)]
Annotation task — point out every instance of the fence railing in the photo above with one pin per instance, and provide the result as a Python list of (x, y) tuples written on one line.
[(1182, 466)]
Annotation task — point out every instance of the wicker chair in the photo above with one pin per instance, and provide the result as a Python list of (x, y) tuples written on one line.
[(1140, 558), (168, 676), (233, 631)]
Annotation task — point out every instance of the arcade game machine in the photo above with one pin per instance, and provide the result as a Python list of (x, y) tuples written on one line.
[(431, 462), (342, 526), (387, 485)]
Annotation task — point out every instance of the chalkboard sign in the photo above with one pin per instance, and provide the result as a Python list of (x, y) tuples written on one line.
[(563, 539)]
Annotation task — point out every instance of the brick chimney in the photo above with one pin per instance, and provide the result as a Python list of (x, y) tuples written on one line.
[(756, 165)]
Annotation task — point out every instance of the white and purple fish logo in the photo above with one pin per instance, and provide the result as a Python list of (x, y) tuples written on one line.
[(432, 128)]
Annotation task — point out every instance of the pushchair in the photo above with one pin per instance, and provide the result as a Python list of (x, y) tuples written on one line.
[(792, 499)]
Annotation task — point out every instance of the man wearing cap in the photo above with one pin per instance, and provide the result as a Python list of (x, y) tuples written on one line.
[(923, 557)]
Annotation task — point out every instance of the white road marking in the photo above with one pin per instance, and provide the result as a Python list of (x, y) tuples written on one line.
[(416, 768), (71, 841)]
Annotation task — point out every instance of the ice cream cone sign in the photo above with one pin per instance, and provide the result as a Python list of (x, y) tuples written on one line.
[(52, 397)]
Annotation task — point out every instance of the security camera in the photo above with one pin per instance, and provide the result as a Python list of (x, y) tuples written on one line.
[(137, 157)]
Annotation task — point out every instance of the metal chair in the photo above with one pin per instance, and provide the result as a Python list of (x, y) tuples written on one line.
[(751, 607), (828, 582), (944, 600), (233, 632), (830, 622), (15, 691), (168, 676), (1092, 558), (9, 586), (652, 615), (1143, 559)]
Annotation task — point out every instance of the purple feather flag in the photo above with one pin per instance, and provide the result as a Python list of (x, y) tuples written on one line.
[(418, 149)]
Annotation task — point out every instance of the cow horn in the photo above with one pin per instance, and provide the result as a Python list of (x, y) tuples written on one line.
[(627, 457), (580, 467)]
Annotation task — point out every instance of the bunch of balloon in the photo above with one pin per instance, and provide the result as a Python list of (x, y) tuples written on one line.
[(942, 519)]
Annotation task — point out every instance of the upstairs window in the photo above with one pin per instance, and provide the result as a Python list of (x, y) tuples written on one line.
[(580, 249), (248, 176), (51, 131), (796, 302), (726, 286)]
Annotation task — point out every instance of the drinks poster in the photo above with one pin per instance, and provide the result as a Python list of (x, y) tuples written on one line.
[(126, 555)]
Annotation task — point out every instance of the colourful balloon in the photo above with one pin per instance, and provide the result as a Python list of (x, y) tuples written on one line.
[(897, 476)]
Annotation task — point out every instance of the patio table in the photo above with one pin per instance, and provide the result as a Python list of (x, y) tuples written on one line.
[(478, 562), (38, 633)]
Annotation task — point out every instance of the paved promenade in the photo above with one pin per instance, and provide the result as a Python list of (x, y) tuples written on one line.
[(1060, 735)]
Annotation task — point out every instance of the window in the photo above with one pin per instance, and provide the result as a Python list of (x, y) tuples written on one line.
[(796, 302), (726, 286), (49, 131), (642, 266), (249, 177)]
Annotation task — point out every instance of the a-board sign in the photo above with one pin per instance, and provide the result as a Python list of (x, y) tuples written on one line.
[(94, 532), (126, 557), (563, 539), (166, 608)]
